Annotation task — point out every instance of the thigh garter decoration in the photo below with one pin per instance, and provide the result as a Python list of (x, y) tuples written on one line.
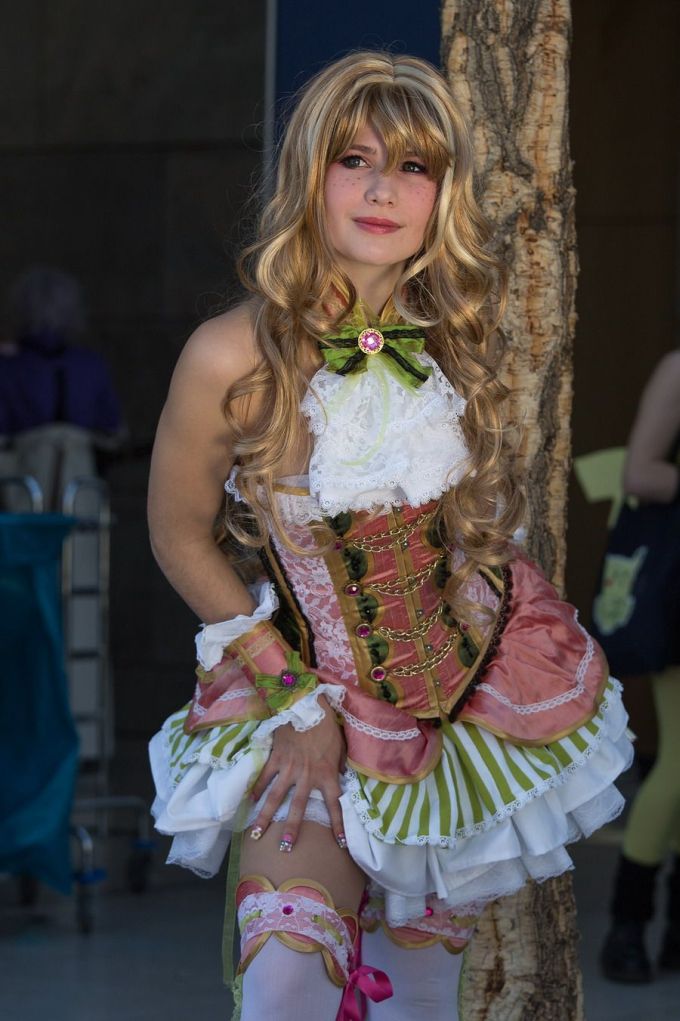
[(452, 928), (301, 914)]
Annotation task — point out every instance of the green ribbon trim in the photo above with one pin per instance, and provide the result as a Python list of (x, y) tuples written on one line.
[(343, 355), (280, 696)]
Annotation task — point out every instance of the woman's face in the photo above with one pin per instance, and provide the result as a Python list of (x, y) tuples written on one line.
[(376, 219)]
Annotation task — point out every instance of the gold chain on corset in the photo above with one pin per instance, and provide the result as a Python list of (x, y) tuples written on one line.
[(427, 664), (371, 543), (404, 586), (419, 631)]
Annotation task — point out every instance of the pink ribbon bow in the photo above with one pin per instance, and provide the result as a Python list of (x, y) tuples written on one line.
[(369, 982)]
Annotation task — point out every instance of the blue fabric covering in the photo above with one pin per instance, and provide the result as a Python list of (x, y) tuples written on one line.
[(38, 740)]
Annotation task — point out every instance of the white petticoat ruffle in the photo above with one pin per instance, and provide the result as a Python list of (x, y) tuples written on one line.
[(206, 805), (525, 839), (378, 443)]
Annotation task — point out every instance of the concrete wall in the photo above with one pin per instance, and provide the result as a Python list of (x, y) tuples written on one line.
[(128, 140)]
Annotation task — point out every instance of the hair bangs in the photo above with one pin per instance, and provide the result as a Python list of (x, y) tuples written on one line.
[(405, 122), (408, 126)]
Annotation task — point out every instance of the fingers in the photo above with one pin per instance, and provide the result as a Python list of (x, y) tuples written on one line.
[(294, 819), (276, 795), (269, 771), (331, 796), (301, 790)]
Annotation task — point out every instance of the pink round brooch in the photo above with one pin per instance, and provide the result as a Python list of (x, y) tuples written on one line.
[(371, 341)]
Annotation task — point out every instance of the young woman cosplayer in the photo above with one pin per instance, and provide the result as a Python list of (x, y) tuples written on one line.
[(405, 722)]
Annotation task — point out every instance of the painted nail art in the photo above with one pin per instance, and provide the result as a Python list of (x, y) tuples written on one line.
[(341, 840), (256, 832), (286, 844)]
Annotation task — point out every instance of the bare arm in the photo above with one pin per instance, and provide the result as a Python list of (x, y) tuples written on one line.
[(192, 457), (647, 473)]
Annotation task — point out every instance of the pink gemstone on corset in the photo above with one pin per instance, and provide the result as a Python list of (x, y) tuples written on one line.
[(364, 630), (339, 544), (464, 626), (428, 912), (287, 909), (371, 341), (352, 589), (378, 673), (288, 680)]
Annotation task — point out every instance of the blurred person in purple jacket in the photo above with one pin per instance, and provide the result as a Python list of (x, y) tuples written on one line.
[(57, 398)]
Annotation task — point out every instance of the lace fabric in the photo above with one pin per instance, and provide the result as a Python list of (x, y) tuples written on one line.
[(265, 912), (212, 639), (370, 430), (314, 588)]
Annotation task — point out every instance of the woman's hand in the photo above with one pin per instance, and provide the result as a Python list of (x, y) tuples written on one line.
[(303, 760)]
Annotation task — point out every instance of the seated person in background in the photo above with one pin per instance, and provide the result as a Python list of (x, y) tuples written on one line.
[(57, 399)]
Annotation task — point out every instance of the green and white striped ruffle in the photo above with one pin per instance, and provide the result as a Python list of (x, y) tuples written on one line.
[(218, 747), (479, 780)]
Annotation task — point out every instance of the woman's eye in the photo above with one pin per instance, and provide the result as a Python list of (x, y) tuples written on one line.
[(414, 167), (352, 162)]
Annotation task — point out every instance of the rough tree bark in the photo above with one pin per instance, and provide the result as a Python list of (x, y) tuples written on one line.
[(507, 62)]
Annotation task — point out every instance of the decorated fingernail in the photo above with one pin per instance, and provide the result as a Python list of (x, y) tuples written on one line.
[(341, 840), (256, 832), (286, 844)]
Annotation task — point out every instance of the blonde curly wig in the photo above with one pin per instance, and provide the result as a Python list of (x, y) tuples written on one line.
[(454, 287)]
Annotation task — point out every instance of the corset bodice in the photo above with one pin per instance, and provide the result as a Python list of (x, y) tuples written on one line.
[(369, 607)]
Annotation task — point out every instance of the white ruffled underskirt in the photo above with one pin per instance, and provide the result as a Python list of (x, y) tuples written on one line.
[(527, 841)]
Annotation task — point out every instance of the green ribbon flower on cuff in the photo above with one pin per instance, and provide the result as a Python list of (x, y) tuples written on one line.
[(348, 351), (287, 687)]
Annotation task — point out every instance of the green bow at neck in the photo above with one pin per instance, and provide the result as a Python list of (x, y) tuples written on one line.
[(350, 348)]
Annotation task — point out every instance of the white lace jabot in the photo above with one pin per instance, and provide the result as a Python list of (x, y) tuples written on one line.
[(378, 444)]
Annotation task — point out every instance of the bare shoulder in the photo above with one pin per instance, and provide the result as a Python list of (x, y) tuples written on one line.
[(223, 349)]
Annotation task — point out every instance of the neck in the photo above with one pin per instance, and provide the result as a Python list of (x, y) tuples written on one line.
[(374, 285)]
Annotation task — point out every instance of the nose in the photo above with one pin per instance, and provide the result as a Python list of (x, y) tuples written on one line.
[(380, 189)]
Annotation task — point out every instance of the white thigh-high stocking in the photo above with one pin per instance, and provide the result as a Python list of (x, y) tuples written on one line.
[(425, 980), (286, 985)]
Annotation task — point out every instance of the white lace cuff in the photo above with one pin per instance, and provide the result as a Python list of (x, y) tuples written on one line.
[(212, 639), (305, 714)]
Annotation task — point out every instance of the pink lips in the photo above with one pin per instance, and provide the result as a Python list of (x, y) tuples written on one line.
[(376, 224)]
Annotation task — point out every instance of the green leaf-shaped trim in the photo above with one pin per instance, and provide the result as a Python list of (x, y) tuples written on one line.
[(468, 652), (355, 562), (368, 607)]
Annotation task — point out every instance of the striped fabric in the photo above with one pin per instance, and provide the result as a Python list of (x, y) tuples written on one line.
[(479, 780), (219, 747)]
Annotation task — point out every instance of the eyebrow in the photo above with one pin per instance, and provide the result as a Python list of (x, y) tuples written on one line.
[(370, 151)]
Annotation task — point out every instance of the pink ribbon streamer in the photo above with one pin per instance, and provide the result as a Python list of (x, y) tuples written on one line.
[(369, 982)]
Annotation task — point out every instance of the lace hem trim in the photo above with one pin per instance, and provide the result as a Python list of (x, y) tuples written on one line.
[(372, 825)]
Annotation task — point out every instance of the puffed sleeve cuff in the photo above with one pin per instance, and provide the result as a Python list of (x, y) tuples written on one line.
[(212, 639), (304, 714)]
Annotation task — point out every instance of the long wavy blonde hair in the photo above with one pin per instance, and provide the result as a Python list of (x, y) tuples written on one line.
[(453, 287)]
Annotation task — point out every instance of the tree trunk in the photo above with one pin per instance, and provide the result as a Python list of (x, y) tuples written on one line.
[(507, 62)]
